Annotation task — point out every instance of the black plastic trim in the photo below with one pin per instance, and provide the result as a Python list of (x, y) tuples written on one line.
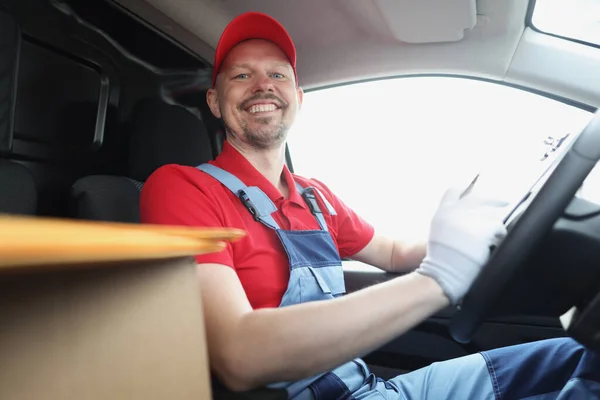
[(6, 143), (104, 90), (288, 158), (585, 325), (103, 102), (161, 33)]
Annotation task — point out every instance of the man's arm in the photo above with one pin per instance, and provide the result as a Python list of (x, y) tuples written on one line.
[(392, 255), (249, 348), (357, 240)]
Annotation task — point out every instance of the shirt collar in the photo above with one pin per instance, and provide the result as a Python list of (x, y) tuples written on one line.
[(231, 160)]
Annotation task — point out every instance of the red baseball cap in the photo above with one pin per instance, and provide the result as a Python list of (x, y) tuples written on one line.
[(253, 25)]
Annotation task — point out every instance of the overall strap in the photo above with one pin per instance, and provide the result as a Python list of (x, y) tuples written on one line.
[(308, 194), (255, 200)]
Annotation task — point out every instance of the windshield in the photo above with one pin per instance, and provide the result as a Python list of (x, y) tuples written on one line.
[(535, 161), (574, 19), (390, 148)]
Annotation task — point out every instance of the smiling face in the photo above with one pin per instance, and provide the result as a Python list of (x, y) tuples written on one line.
[(256, 94)]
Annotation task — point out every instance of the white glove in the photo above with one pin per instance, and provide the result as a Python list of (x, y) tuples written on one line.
[(462, 232)]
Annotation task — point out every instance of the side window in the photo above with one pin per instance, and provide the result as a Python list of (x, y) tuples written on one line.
[(390, 148)]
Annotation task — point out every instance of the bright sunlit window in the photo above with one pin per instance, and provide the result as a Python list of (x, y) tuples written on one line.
[(575, 19), (390, 148)]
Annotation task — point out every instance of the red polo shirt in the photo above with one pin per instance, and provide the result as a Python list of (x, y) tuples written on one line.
[(181, 195)]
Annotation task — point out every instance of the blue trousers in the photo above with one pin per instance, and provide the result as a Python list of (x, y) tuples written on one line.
[(558, 369)]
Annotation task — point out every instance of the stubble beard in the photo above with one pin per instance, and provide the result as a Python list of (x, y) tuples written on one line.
[(264, 135), (260, 139)]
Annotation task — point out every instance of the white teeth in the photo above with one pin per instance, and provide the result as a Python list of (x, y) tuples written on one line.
[(262, 108)]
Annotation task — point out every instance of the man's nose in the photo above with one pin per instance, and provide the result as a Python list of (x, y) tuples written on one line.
[(263, 83)]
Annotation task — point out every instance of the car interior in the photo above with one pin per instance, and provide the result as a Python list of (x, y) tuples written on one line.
[(95, 95)]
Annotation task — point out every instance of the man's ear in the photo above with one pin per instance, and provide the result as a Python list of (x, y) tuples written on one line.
[(300, 96), (212, 99)]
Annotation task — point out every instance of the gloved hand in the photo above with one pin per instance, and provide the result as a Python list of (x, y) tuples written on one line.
[(462, 232)]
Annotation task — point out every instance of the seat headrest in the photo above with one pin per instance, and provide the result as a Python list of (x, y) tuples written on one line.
[(165, 134)]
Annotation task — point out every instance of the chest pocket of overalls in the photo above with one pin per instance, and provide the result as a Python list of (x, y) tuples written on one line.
[(316, 271)]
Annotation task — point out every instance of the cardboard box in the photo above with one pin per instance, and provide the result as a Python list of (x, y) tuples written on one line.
[(106, 326)]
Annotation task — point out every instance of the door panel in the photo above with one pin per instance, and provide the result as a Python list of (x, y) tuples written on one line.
[(430, 341)]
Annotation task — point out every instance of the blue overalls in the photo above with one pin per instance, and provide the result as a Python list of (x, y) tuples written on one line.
[(551, 369)]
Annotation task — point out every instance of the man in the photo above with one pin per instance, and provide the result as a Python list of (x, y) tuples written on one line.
[(273, 306)]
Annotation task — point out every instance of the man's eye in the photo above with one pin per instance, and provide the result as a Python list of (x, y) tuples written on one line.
[(242, 76), (277, 75)]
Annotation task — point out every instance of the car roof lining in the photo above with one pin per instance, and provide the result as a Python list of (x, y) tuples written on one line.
[(335, 45)]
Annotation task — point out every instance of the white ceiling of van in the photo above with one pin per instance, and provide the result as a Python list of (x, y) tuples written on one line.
[(347, 40)]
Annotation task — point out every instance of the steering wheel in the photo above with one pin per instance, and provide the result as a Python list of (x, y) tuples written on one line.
[(527, 230)]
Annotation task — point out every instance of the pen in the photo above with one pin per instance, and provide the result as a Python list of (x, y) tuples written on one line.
[(470, 187)]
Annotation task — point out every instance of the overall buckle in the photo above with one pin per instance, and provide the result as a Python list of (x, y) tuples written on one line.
[(311, 201), (248, 204)]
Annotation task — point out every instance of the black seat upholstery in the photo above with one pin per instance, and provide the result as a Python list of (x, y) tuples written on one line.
[(160, 134), (18, 193), (214, 125)]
